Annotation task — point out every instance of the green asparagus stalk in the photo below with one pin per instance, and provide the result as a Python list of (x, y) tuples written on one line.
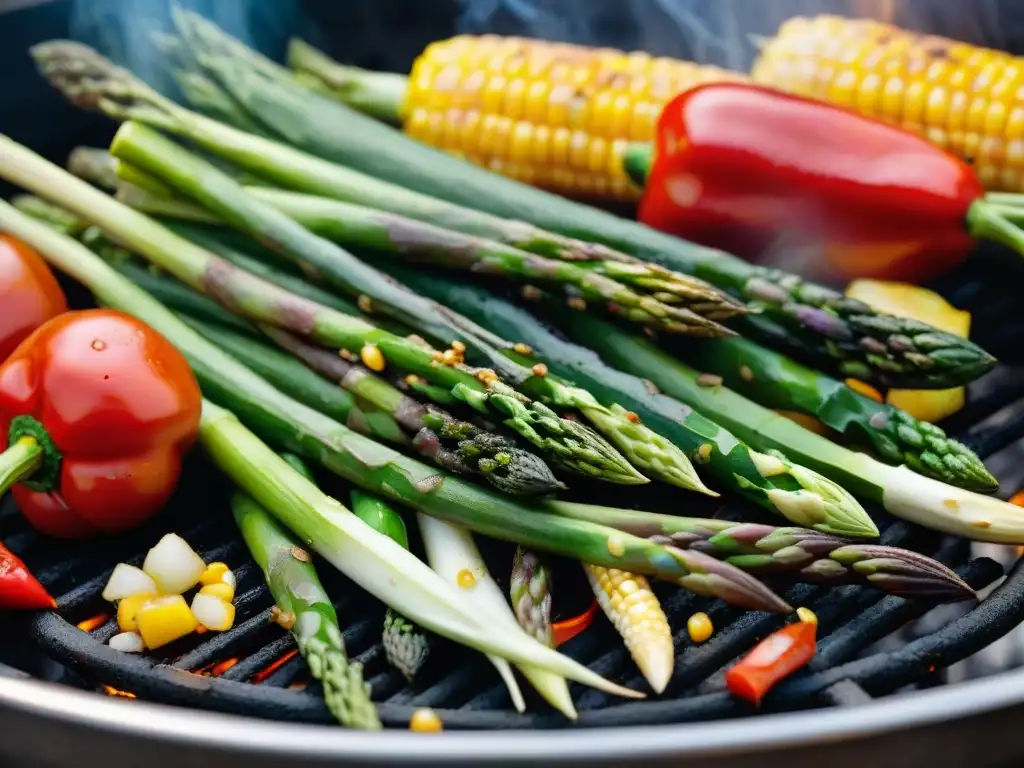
[(645, 449), (406, 646), (298, 593), (807, 555), (384, 232), (903, 492), (794, 491), (455, 445), (568, 444), (891, 434), (808, 320), (358, 459), (530, 591)]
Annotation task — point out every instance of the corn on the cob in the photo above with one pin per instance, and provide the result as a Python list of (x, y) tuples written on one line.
[(634, 610), (555, 115), (961, 97)]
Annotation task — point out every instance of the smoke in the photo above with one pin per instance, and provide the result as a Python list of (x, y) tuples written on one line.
[(721, 32), (123, 29)]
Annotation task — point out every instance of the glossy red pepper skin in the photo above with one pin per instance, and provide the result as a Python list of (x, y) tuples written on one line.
[(803, 185), (19, 589), (29, 294), (773, 659), (121, 406)]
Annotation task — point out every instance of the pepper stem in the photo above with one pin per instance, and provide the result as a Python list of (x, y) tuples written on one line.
[(21, 459), (989, 221), (636, 162)]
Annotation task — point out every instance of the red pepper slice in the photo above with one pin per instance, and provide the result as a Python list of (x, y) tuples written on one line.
[(29, 294), (796, 183), (566, 630), (19, 589), (774, 658), (96, 412)]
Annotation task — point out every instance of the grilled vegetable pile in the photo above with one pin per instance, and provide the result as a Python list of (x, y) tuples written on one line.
[(469, 357)]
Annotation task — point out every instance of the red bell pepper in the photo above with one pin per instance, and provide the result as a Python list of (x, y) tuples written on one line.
[(567, 629), (774, 658), (96, 412), (791, 182), (29, 294), (19, 589)]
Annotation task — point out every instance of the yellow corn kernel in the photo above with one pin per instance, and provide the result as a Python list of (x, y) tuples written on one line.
[(128, 610), (372, 357), (699, 627), (219, 590), (627, 600), (164, 620), (425, 721), (214, 573), (961, 97)]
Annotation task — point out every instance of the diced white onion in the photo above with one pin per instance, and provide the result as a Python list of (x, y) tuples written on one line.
[(213, 613), (229, 579), (127, 580), (174, 565), (127, 642)]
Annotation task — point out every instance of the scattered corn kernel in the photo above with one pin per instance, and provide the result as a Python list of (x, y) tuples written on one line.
[(522, 349), (220, 590), (465, 578), (372, 357), (458, 347), (709, 380), (540, 370), (699, 627), (631, 417), (425, 721), (128, 610), (575, 302), (806, 615), (213, 574), (164, 620), (364, 303), (745, 373)]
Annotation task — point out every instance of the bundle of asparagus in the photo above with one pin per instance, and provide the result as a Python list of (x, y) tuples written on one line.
[(567, 531), (811, 321)]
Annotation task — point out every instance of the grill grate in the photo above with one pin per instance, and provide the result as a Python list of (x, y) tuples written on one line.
[(245, 670)]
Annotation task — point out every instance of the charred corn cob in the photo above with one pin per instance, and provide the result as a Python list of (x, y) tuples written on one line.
[(959, 96), (634, 610), (555, 115)]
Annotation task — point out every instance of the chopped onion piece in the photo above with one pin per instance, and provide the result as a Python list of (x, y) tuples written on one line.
[(174, 565), (127, 642), (127, 580), (212, 612), (229, 579)]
